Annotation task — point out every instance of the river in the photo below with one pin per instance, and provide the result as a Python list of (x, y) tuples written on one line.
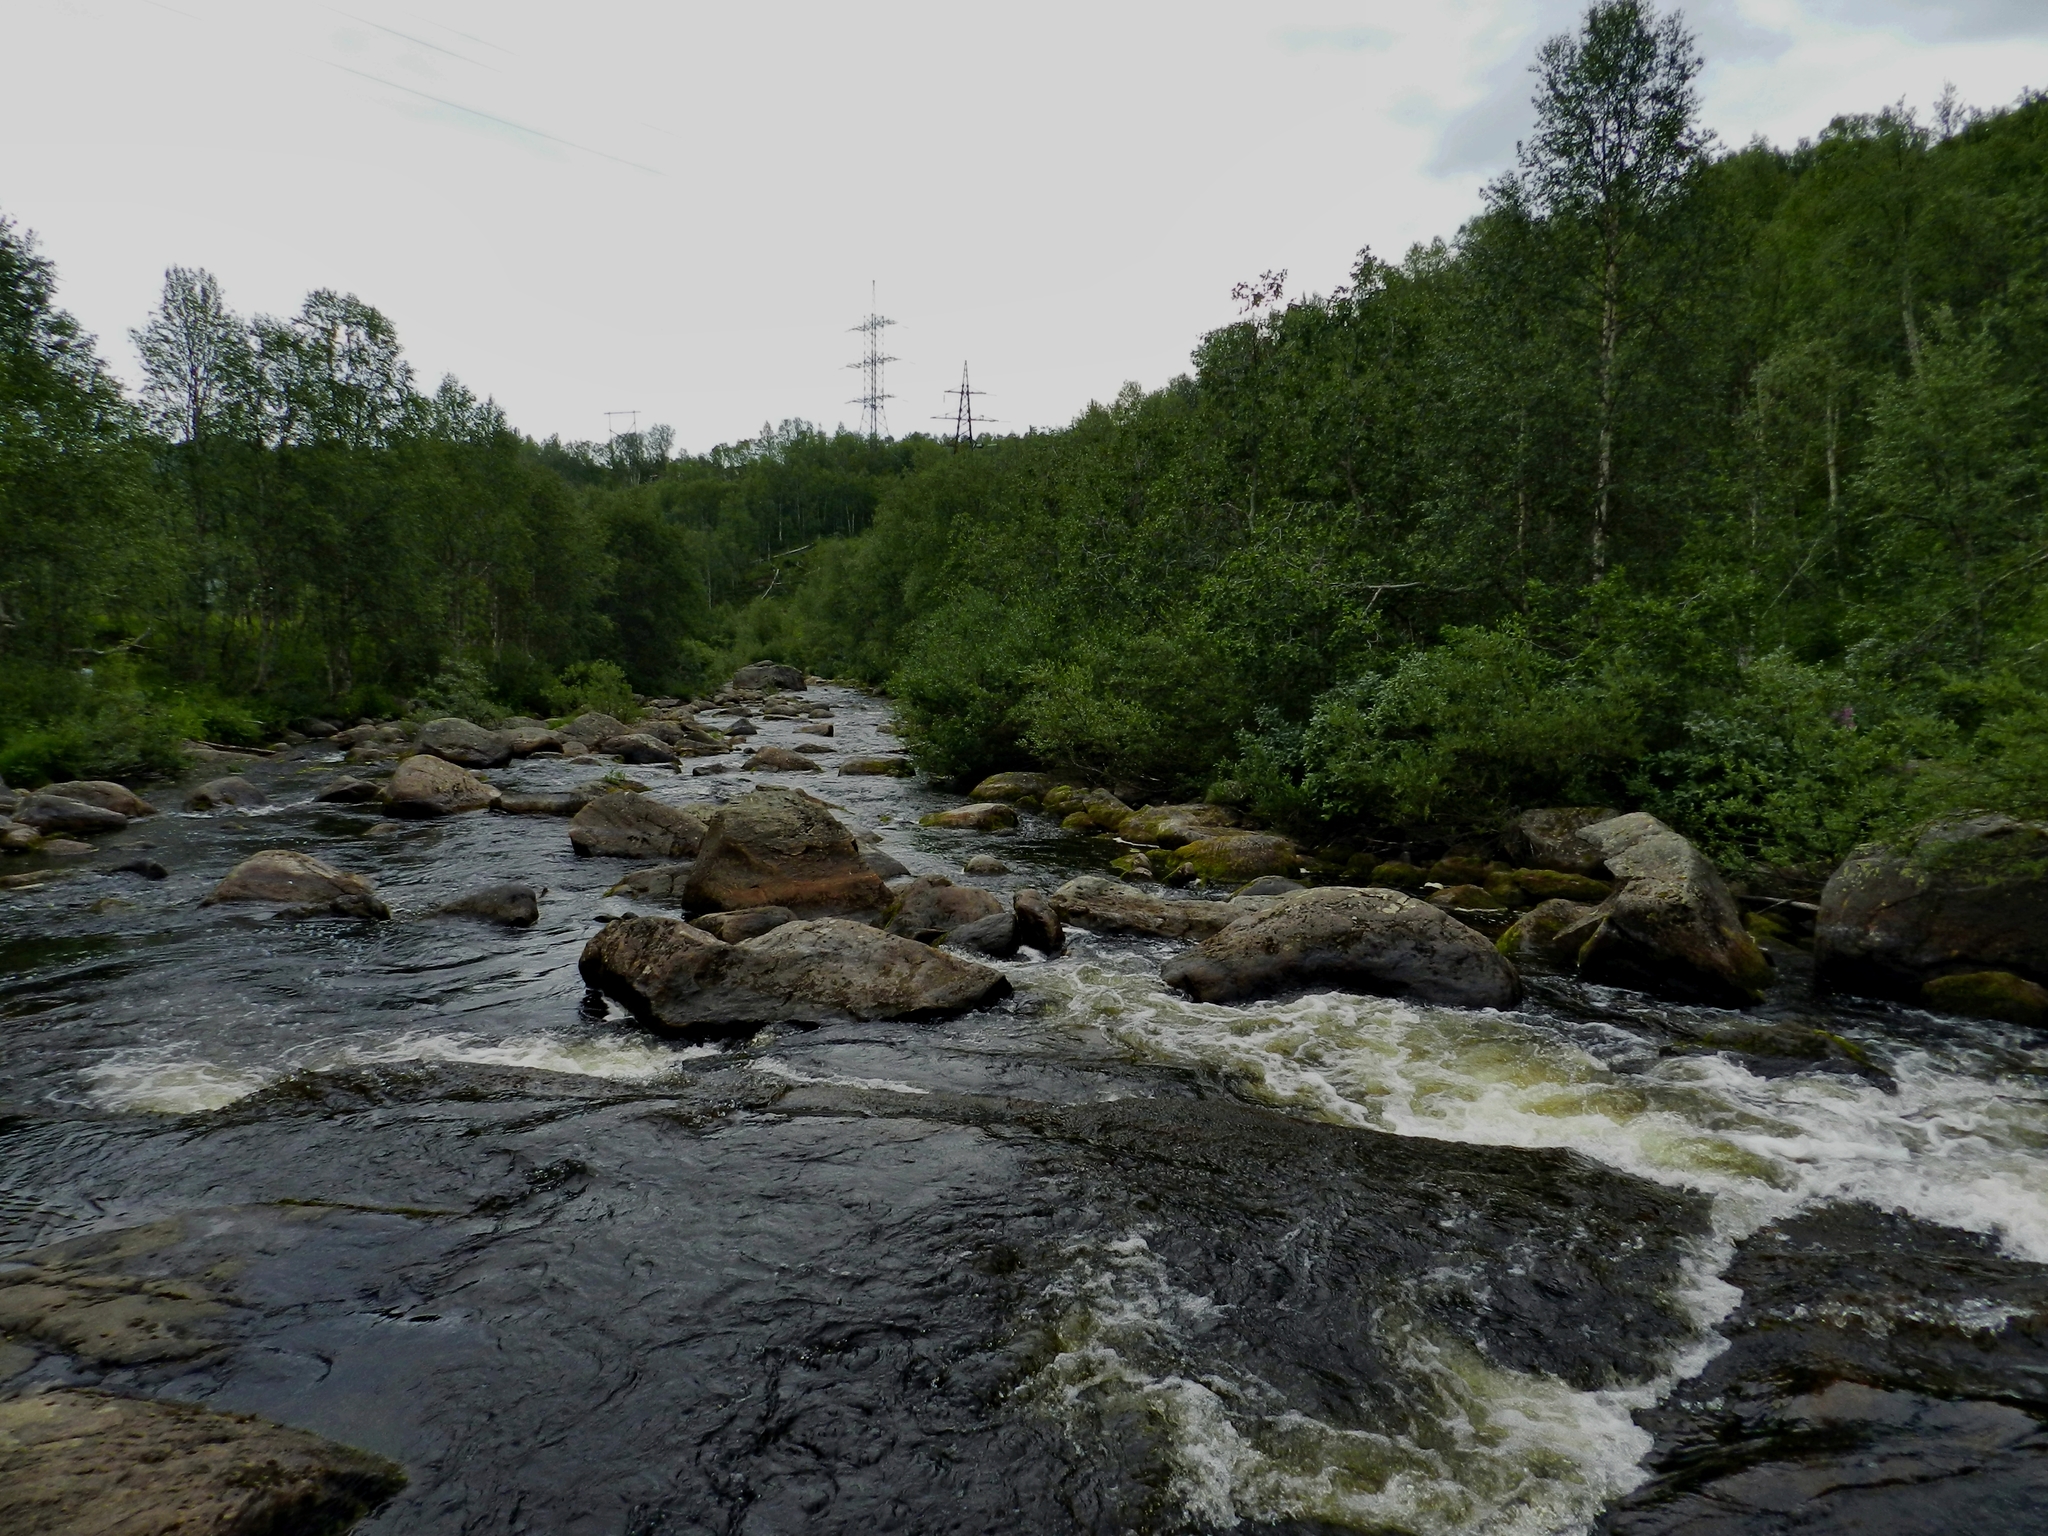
[(1097, 1259)]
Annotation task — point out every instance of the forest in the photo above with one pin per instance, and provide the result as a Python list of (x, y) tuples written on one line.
[(1687, 477)]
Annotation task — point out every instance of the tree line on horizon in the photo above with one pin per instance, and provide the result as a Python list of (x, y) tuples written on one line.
[(1695, 478)]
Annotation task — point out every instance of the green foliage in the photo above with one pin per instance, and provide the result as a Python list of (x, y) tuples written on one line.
[(461, 689), (585, 686)]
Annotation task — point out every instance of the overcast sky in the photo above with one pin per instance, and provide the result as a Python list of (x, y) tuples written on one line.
[(678, 208)]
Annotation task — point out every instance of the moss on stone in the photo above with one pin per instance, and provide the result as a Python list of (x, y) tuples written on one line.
[(1989, 995)]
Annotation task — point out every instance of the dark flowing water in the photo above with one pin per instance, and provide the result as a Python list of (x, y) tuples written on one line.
[(1100, 1259)]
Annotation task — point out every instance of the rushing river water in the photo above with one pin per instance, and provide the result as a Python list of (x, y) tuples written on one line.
[(1099, 1259)]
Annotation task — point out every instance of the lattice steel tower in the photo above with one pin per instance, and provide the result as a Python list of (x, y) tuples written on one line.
[(963, 411), (874, 415)]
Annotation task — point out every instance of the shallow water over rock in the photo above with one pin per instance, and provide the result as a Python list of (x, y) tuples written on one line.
[(1097, 1258)]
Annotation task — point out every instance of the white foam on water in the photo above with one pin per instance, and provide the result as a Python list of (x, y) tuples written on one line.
[(164, 1081), (1957, 1143), (1476, 1450), (792, 1074)]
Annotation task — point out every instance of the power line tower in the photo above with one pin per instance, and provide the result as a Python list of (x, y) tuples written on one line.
[(874, 417), (963, 411)]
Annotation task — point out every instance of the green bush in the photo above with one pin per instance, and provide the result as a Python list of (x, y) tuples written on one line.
[(461, 689), (593, 685)]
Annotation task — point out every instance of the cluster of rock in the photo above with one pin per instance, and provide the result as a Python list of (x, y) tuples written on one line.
[(51, 820)]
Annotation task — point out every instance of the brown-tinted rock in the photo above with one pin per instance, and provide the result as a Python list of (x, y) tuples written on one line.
[(652, 883), (1455, 897), (464, 743), (105, 794), (638, 747), (84, 1463), (1672, 927), (628, 825), (231, 793), (676, 976), (424, 785), (932, 905), (287, 878), (816, 728), (748, 923), (780, 760), (1109, 906), (781, 848), (50, 814), (566, 803), (1037, 925), (1962, 895), (593, 726), (1362, 940), (986, 816)]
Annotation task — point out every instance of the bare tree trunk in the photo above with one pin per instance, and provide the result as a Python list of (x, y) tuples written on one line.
[(1610, 329)]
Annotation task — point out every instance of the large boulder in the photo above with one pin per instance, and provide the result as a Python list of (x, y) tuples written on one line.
[(593, 726), (1959, 896), (105, 794), (780, 760), (932, 905), (628, 825), (50, 814), (1549, 839), (1102, 905), (638, 747), (343, 790), (1348, 939), (1083, 810), (673, 975), (1238, 858), (298, 880), (464, 743), (769, 677), (74, 1460), (1548, 936), (231, 793), (1671, 927), (525, 740), (1174, 826), (984, 816), (747, 923), (424, 786), (780, 848)]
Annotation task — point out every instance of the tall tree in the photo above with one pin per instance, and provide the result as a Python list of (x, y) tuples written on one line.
[(1617, 142), (196, 358)]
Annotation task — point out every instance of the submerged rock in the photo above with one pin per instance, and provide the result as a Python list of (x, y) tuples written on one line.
[(512, 904), (988, 816), (105, 794), (672, 975), (1959, 896), (343, 790), (74, 1461), (233, 792), (1363, 940), (425, 785), (464, 743), (49, 814), (298, 880), (1109, 906), (630, 825), (780, 848), (1671, 928)]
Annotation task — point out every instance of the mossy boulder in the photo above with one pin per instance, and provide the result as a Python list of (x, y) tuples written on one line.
[(988, 816), (1012, 787), (1457, 869), (1392, 875), (883, 767), (1236, 859), (1475, 898), (1549, 839), (1989, 995), (1963, 895), (1672, 927), (1548, 936), (1558, 885), (1091, 810), (1175, 826)]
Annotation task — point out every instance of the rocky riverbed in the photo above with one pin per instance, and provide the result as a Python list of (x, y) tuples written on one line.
[(482, 1250)]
